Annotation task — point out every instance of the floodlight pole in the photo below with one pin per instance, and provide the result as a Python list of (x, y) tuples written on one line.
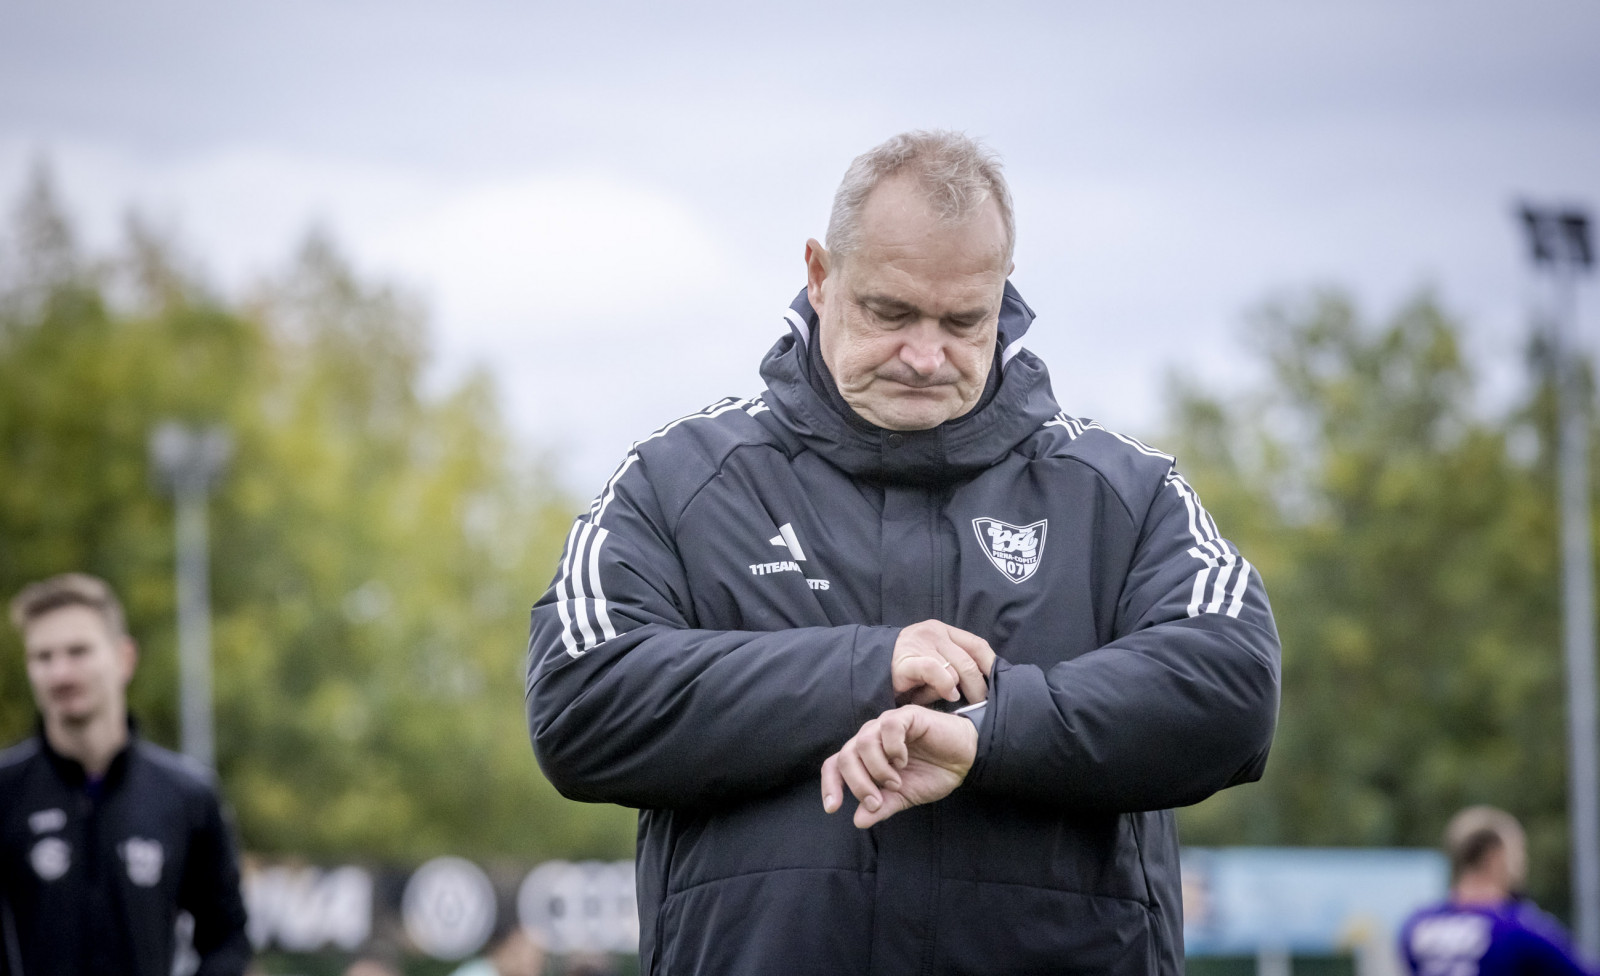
[(1560, 243), (190, 462)]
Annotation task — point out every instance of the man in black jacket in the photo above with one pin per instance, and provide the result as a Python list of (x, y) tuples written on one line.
[(903, 576), (104, 837)]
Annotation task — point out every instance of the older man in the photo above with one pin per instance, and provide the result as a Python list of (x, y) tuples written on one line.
[(902, 576), (104, 837)]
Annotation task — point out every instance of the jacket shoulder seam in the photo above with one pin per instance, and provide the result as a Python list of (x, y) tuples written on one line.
[(18, 754), (715, 459), (185, 772), (715, 470), (1105, 479), (1073, 428)]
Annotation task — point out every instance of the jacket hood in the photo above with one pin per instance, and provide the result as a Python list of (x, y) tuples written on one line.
[(1015, 404)]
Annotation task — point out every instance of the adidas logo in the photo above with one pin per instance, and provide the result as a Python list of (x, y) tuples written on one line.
[(786, 538)]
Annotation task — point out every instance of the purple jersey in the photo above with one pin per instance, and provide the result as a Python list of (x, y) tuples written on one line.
[(1513, 939)]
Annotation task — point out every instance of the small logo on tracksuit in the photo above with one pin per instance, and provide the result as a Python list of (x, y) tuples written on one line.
[(1015, 550), (143, 858), (787, 538)]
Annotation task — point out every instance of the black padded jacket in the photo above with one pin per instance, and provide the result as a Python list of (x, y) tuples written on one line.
[(723, 618)]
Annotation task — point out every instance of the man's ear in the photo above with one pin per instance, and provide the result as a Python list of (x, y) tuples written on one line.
[(818, 261), (128, 657)]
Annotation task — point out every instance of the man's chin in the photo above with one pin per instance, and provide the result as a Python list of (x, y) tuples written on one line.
[(909, 413)]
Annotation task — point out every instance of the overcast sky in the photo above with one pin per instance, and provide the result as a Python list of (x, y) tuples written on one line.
[(607, 203)]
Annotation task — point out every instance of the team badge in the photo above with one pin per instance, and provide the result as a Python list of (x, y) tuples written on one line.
[(1014, 550), (47, 821), (143, 858), (51, 858)]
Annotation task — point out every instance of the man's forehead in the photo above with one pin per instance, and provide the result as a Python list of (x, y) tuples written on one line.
[(70, 624), (876, 277), (899, 214)]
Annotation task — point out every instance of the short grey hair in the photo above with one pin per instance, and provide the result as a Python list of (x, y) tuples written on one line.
[(956, 172)]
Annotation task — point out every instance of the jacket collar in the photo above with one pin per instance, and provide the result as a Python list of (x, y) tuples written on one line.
[(803, 397), (72, 772)]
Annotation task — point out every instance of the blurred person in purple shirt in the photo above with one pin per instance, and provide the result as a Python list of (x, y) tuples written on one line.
[(1486, 927)]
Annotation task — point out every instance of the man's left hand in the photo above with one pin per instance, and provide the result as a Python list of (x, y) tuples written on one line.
[(903, 758)]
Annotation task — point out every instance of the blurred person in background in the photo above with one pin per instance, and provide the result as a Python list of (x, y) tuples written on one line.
[(1486, 927), (513, 951), (903, 579), (104, 837)]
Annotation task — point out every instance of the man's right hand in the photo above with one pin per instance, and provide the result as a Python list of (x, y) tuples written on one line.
[(933, 660)]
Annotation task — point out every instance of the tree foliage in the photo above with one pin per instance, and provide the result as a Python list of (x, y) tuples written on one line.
[(375, 547), (1409, 545)]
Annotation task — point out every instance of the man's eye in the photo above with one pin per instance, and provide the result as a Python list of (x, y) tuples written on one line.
[(891, 315)]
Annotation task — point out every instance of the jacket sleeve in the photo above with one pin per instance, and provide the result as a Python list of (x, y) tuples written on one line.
[(628, 702), (210, 893), (1181, 703)]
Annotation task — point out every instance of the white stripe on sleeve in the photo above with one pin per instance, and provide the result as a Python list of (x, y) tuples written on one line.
[(601, 613), (564, 593)]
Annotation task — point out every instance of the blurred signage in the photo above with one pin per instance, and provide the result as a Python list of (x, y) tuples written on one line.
[(449, 908), (1246, 900), (446, 909), (1236, 901), (304, 909), (587, 907)]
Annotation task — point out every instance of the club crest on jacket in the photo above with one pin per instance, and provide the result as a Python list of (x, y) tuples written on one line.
[(143, 858), (51, 858), (1015, 550)]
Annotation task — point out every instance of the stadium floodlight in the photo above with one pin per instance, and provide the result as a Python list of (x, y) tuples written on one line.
[(189, 462), (1558, 240)]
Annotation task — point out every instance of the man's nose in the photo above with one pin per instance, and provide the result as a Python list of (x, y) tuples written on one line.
[(923, 348), (57, 669)]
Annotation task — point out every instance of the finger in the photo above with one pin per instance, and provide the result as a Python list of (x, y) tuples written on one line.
[(892, 804), (878, 764), (969, 677), (856, 777), (917, 671), (976, 647), (832, 784), (893, 739), (932, 671)]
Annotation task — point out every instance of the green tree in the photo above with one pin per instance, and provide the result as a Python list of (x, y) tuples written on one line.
[(375, 548), (1411, 558)]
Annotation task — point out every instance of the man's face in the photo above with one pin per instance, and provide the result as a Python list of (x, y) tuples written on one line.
[(908, 321), (78, 668)]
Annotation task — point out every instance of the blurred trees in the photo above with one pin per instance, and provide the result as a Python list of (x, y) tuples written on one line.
[(375, 547), (1409, 546)]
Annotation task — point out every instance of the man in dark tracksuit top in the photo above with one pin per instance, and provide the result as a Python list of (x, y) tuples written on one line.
[(104, 837), (780, 601)]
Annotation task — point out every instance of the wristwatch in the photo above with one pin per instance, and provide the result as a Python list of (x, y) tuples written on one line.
[(974, 713)]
